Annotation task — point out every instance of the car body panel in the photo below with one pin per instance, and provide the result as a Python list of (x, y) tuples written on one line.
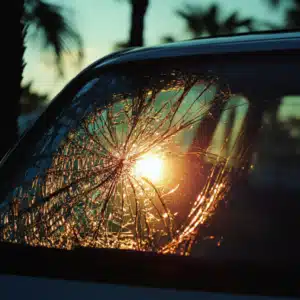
[(217, 45), (209, 46)]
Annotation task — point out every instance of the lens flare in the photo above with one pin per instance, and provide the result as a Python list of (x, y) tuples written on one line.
[(149, 166)]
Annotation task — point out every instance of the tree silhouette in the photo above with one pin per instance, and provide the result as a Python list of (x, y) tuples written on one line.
[(292, 12), (168, 39), (293, 15), (31, 100), (208, 21), (56, 33), (201, 21), (136, 35), (55, 30), (139, 8), (273, 3)]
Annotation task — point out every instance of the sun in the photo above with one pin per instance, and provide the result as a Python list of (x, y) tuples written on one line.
[(150, 167)]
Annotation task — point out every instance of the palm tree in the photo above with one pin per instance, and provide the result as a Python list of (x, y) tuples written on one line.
[(202, 21), (137, 25), (56, 33), (139, 9), (50, 24), (292, 12), (31, 100)]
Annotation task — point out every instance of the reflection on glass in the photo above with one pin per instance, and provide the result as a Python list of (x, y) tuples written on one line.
[(278, 152), (133, 174)]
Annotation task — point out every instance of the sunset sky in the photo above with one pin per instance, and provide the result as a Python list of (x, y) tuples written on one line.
[(102, 23)]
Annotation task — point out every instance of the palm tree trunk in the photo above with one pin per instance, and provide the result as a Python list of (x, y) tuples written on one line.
[(13, 73), (139, 8)]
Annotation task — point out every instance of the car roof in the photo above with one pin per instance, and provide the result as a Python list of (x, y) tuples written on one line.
[(241, 43)]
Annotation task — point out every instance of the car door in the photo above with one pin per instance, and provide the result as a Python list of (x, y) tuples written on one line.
[(184, 157)]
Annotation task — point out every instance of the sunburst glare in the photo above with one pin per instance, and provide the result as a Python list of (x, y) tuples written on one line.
[(149, 166)]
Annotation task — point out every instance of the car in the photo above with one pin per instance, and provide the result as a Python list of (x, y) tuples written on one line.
[(172, 166)]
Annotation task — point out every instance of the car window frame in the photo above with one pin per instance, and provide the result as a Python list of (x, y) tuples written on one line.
[(229, 276), (147, 269)]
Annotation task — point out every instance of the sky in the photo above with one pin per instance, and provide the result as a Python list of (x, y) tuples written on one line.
[(102, 23)]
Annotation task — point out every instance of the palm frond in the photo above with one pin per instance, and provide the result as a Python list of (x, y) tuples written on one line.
[(168, 39), (121, 45), (55, 29), (209, 21), (194, 19)]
